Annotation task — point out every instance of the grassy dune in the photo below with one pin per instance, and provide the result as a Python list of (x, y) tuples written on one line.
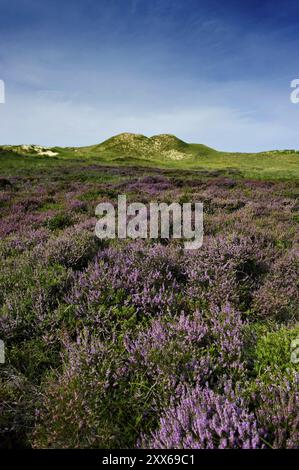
[(162, 151)]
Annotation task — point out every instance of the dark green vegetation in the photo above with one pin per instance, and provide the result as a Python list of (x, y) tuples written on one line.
[(103, 339)]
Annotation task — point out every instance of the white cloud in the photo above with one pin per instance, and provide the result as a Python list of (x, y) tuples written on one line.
[(52, 119)]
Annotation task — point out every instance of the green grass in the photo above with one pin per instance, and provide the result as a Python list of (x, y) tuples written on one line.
[(163, 151)]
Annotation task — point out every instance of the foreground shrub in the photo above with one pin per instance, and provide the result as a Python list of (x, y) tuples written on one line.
[(278, 298), (188, 349), (59, 221), (133, 275), (171, 353), (167, 328), (277, 404), (273, 351), (17, 399), (30, 293), (73, 249), (90, 403), (228, 270), (205, 420)]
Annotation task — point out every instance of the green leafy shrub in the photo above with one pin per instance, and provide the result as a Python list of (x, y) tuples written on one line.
[(59, 221), (273, 350)]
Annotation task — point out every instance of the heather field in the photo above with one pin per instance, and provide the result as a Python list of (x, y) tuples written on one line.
[(125, 344)]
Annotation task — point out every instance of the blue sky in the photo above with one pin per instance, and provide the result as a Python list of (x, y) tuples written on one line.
[(214, 72)]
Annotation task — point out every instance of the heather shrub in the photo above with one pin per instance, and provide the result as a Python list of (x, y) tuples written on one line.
[(276, 399), (227, 342), (171, 352), (137, 275), (17, 399), (166, 356), (278, 297), (204, 419), (73, 249), (90, 403), (228, 269), (28, 204), (75, 205), (109, 344), (187, 350), (24, 241), (29, 294)]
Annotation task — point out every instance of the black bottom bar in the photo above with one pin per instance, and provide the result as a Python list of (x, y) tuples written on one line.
[(136, 459)]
